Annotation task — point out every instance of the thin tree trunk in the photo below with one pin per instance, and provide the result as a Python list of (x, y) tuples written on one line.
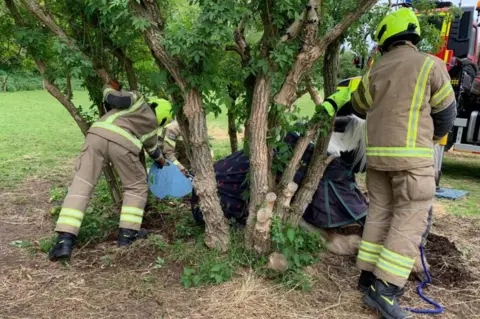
[(5, 82), (319, 160), (312, 51), (216, 227), (129, 69), (258, 152), (69, 91), (232, 127)]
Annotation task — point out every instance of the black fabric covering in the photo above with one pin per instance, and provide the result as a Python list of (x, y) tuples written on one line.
[(345, 204)]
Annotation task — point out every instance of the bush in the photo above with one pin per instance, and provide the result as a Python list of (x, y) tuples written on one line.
[(28, 81)]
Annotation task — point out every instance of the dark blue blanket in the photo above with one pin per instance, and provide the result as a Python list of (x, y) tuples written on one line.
[(345, 204)]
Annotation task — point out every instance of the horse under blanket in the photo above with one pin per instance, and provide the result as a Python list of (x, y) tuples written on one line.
[(336, 202)]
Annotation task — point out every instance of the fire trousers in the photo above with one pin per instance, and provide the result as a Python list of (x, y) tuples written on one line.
[(96, 153), (398, 221)]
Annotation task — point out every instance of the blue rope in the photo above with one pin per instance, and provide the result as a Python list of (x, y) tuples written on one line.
[(438, 308)]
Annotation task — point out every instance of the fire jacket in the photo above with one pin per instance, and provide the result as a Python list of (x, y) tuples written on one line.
[(131, 123), (168, 139), (409, 103)]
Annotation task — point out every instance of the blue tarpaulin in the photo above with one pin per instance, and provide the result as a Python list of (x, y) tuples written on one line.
[(168, 181)]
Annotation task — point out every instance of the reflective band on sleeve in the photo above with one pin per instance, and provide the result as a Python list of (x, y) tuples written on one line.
[(147, 136), (366, 86), (152, 149), (170, 141), (442, 94), (400, 152), (120, 131), (418, 96), (132, 210), (393, 269), (359, 101), (391, 256), (366, 257), (106, 92), (69, 221), (131, 219), (70, 212), (177, 163), (131, 109)]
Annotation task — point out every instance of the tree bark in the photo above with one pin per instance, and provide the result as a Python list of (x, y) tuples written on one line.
[(216, 231), (261, 233), (129, 69), (330, 68), (232, 127), (69, 91), (312, 51), (319, 160), (216, 227), (258, 152)]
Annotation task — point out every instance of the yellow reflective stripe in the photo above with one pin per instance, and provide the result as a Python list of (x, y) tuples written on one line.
[(132, 210), (371, 259), (176, 162), (152, 149), (443, 93), (371, 246), (377, 252), (393, 269), (417, 100), (131, 109), (396, 258), (106, 92), (170, 141), (131, 219), (366, 86), (359, 101), (120, 131), (74, 213), (149, 135), (399, 152), (62, 220)]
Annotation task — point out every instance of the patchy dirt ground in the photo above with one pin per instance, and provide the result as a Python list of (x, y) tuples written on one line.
[(128, 286)]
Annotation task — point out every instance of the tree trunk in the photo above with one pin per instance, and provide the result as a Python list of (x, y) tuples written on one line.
[(258, 152), (232, 127), (319, 160), (69, 91), (4, 83), (330, 68), (128, 65), (261, 233), (310, 53), (216, 227)]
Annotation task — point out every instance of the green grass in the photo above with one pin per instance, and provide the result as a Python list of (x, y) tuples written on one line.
[(39, 136), (462, 173)]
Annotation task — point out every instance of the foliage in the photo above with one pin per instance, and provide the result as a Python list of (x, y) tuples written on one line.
[(300, 248)]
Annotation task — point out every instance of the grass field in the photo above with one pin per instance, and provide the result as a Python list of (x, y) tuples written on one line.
[(38, 135)]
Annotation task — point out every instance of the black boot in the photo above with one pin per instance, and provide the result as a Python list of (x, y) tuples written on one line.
[(63, 247), (383, 297), (126, 237), (367, 278)]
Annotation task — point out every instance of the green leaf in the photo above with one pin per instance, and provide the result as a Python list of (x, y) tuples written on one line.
[(196, 280), (216, 268), (188, 271), (291, 235)]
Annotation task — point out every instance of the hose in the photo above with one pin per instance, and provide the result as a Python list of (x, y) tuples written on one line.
[(438, 308)]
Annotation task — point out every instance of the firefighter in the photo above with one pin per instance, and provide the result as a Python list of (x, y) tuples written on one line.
[(409, 104), (117, 137), (170, 136)]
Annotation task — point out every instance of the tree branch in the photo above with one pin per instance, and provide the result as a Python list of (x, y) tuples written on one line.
[(312, 51)]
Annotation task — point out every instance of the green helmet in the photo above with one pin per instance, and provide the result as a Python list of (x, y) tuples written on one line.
[(163, 110), (399, 25)]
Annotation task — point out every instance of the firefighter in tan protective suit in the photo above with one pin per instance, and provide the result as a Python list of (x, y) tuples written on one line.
[(170, 139), (117, 137), (409, 104)]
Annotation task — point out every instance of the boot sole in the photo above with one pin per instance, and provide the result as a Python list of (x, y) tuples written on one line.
[(372, 303), (61, 256)]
